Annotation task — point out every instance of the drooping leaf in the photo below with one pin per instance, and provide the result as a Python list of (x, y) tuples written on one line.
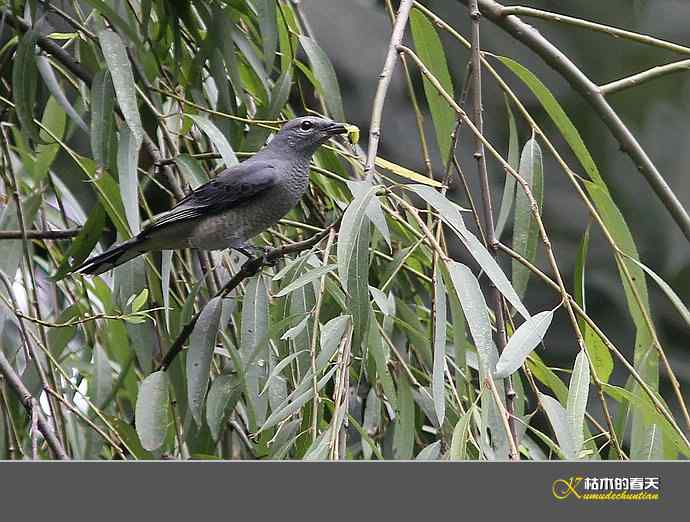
[(474, 306), (509, 186), (450, 213), (201, 344), (25, 83), (222, 397), (374, 210), (116, 58), (127, 161), (81, 246), (578, 392), (406, 173), (350, 227), (559, 422), (430, 50), (458, 444), (268, 24), (219, 141), (525, 229), (403, 435), (325, 76), (48, 75), (525, 339), (152, 411), (306, 278), (103, 128), (439, 322)]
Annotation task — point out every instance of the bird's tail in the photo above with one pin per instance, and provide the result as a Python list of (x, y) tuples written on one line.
[(114, 256)]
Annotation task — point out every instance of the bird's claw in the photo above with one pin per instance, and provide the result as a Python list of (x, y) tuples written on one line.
[(254, 253)]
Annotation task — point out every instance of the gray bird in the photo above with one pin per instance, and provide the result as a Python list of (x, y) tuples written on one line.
[(238, 204)]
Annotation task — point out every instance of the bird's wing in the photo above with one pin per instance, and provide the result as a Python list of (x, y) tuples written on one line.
[(231, 188)]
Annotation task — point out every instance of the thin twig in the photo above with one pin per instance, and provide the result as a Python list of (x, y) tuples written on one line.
[(593, 26), (489, 228), (40, 234), (644, 76), (31, 406), (248, 269), (554, 57), (382, 87)]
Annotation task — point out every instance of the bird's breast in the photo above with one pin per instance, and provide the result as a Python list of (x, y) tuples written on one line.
[(238, 225)]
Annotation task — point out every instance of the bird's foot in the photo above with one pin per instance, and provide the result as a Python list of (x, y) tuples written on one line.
[(255, 252)]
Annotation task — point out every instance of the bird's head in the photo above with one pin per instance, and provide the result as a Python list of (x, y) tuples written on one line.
[(305, 134)]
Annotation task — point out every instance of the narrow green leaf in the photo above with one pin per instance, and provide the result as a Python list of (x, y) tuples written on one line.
[(116, 58), (48, 75), (325, 76), (380, 355), (514, 162), (219, 141), (152, 411), (431, 452), (81, 246), (672, 296), (25, 84), (404, 431), (54, 120), (374, 210), (557, 114), (525, 339), (430, 50), (578, 392), (306, 278), (201, 345), (559, 422), (461, 432), (103, 128), (476, 312), (358, 286), (127, 161), (222, 398), (525, 229), (450, 213), (349, 231), (599, 355), (279, 368), (439, 322), (372, 420), (254, 328), (268, 24), (295, 331)]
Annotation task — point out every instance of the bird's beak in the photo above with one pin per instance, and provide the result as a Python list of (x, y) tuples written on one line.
[(336, 128)]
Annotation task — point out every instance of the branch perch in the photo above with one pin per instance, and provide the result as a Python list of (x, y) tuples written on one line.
[(249, 268)]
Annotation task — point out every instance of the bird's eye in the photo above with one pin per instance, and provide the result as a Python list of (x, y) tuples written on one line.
[(306, 125)]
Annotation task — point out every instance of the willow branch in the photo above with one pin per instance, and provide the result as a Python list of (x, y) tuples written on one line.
[(32, 407), (248, 269), (593, 26), (384, 82), (40, 234), (645, 76), (555, 58)]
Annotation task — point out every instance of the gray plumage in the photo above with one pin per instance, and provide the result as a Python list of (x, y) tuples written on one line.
[(237, 205)]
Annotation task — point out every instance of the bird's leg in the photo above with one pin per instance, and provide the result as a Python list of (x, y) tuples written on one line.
[(255, 252)]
